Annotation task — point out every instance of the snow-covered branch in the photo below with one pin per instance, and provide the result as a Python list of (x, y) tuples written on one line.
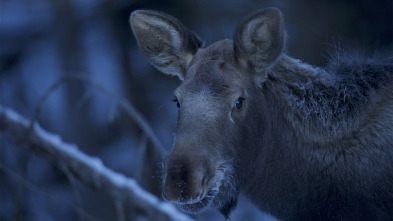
[(90, 170)]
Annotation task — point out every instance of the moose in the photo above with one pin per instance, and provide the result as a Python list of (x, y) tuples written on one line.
[(301, 142)]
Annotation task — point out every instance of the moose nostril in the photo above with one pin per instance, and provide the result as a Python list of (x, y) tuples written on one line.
[(204, 181)]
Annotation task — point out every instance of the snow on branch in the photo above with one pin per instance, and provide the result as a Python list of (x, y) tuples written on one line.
[(90, 170)]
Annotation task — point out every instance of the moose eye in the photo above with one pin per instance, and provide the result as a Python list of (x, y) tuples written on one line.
[(177, 102), (239, 103)]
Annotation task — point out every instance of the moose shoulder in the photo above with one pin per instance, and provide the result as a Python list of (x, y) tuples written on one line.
[(301, 142)]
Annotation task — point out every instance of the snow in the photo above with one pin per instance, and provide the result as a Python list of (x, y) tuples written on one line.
[(13, 116)]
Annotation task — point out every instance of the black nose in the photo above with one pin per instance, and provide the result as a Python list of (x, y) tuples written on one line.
[(175, 184)]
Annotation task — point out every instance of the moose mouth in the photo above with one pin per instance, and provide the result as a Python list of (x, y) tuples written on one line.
[(204, 203), (221, 190)]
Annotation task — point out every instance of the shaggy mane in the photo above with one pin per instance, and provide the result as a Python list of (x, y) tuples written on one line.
[(334, 98)]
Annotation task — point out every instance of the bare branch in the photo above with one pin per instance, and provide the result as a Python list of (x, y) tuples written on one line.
[(119, 210), (90, 170), (124, 103), (74, 185)]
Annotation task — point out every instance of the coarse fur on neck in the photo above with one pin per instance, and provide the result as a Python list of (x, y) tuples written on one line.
[(322, 125)]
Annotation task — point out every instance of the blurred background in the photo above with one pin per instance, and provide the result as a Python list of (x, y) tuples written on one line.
[(42, 41)]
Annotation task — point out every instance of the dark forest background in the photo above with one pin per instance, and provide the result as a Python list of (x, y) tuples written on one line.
[(42, 41)]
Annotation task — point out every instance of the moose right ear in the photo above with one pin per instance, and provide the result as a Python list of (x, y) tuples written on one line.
[(260, 40), (167, 44)]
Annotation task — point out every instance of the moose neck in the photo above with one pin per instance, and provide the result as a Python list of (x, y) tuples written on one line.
[(277, 160)]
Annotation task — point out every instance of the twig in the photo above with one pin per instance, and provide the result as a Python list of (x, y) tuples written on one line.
[(124, 103), (89, 170), (140, 156), (74, 185), (119, 210)]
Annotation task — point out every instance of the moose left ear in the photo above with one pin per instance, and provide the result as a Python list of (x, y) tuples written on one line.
[(259, 41)]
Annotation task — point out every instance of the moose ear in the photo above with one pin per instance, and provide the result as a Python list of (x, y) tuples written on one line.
[(167, 44), (259, 41)]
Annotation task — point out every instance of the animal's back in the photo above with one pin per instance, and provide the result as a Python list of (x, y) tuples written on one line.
[(369, 145), (365, 101), (357, 164), (353, 93)]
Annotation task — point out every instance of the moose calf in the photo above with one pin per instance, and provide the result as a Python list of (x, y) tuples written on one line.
[(301, 142)]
